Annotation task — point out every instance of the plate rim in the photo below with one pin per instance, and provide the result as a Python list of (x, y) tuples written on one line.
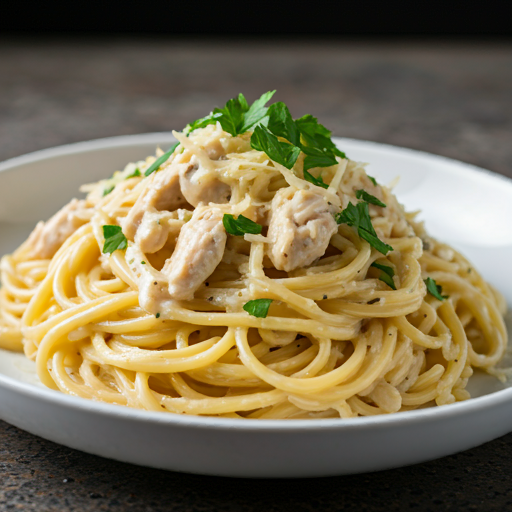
[(54, 397), (422, 416), (71, 148)]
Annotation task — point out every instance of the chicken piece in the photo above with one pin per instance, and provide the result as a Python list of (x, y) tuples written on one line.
[(391, 220), (47, 237), (301, 226), (201, 186), (199, 250), (152, 232), (162, 193)]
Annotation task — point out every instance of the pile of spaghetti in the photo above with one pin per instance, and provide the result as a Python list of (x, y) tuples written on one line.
[(251, 271)]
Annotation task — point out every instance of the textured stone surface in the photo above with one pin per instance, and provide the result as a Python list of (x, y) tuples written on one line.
[(37, 475), (454, 100), (450, 99)]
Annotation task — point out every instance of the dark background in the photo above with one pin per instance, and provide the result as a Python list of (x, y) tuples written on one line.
[(260, 19), (431, 76)]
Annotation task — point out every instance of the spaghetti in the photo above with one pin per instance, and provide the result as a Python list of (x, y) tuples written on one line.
[(299, 314)]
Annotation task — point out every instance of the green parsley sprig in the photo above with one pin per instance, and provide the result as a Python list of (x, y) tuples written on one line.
[(304, 134), (114, 239), (435, 289), (134, 174), (276, 133), (237, 116), (359, 217), (386, 274), (281, 152), (107, 190), (241, 225), (159, 161), (362, 194), (316, 143), (258, 307), (319, 182), (281, 123)]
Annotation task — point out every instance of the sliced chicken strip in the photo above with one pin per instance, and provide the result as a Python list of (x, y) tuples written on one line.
[(200, 185), (199, 250), (47, 237), (162, 193), (153, 232), (301, 226)]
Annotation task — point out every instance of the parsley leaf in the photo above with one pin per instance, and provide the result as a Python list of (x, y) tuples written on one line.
[(315, 135), (319, 182), (316, 143), (317, 158), (310, 127), (374, 241), (243, 102), (359, 217), (281, 152), (362, 194), (257, 111), (258, 307), (350, 216), (114, 239), (159, 161), (386, 275), (107, 190), (240, 226), (435, 289), (305, 134), (388, 270), (201, 123), (281, 123), (134, 174), (372, 179), (237, 116), (232, 115)]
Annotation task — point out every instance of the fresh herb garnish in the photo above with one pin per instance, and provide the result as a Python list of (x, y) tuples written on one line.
[(258, 307), (237, 116), (269, 123), (359, 217), (435, 289), (240, 226), (159, 161), (316, 157), (106, 191), (362, 194), (157, 315), (316, 143), (114, 239), (305, 134), (281, 152), (315, 135), (386, 274), (257, 111), (372, 179), (134, 174), (319, 182), (281, 123), (201, 123)]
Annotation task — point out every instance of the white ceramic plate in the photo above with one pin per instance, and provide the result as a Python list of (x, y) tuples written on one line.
[(465, 206)]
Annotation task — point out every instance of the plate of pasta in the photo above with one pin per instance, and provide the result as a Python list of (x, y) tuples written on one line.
[(252, 297)]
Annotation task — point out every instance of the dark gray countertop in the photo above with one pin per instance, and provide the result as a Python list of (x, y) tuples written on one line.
[(454, 99)]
